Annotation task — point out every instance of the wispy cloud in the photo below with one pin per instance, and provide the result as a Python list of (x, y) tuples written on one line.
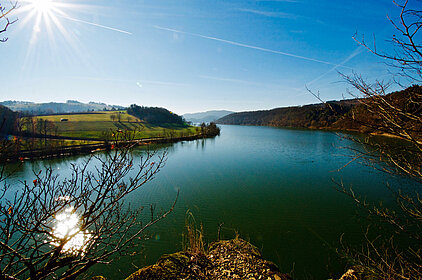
[(297, 31), (139, 83), (268, 14), (161, 83), (103, 79), (95, 24), (243, 82), (251, 46)]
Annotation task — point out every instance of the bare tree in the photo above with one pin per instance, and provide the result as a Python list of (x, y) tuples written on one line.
[(407, 55), (5, 12), (59, 228), (396, 253)]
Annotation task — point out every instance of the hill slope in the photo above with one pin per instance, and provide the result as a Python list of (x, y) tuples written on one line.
[(339, 115), (98, 126), (309, 116), (155, 115)]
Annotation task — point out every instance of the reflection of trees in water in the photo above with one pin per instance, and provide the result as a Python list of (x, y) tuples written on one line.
[(202, 143)]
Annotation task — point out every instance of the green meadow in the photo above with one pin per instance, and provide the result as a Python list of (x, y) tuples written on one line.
[(94, 125)]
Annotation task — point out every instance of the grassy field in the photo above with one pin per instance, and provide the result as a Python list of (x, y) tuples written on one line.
[(95, 124), (41, 143)]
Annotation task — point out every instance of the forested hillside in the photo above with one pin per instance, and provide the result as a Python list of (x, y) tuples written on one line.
[(7, 120), (354, 114), (308, 116), (155, 115)]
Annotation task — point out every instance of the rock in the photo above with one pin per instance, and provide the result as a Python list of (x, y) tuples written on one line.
[(98, 278), (350, 274), (174, 266), (230, 259)]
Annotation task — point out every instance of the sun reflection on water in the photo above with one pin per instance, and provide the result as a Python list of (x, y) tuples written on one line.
[(67, 229)]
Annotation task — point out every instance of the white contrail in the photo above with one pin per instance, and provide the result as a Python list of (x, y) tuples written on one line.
[(356, 52), (95, 24), (250, 46)]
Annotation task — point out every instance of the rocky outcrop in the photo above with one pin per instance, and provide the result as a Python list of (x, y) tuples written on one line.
[(350, 274), (231, 259)]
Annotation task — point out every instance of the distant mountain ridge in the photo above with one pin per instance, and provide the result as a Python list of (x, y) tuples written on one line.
[(206, 117), (71, 106)]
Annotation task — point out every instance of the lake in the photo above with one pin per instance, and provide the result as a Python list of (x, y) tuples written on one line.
[(274, 187)]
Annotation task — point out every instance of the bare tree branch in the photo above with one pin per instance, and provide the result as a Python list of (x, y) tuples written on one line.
[(4, 17), (76, 222), (392, 247)]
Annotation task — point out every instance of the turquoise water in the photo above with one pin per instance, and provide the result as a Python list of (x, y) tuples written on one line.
[(271, 186)]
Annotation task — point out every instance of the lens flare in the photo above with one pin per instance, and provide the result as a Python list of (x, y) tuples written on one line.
[(42, 6), (45, 18), (57, 25)]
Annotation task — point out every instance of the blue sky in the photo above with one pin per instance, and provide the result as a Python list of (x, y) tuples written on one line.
[(191, 55)]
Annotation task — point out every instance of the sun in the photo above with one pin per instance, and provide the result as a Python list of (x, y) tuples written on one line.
[(41, 10), (52, 22), (43, 16), (45, 21), (42, 6)]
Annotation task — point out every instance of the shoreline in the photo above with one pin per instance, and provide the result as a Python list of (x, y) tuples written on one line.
[(328, 129), (93, 148)]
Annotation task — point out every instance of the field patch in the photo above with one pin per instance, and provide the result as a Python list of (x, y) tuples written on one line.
[(100, 125)]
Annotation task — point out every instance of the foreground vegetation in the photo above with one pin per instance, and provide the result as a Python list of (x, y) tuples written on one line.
[(393, 242), (51, 228)]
